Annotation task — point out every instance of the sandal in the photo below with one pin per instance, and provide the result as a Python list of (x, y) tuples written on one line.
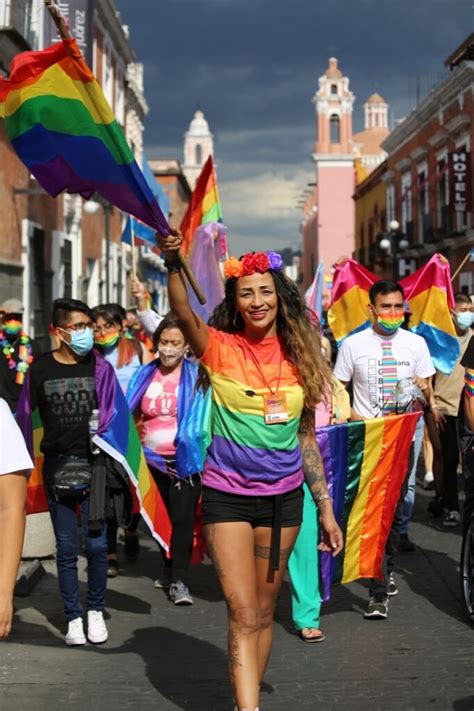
[(310, 639)]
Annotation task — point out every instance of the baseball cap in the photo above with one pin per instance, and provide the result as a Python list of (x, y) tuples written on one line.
[(12, 306)]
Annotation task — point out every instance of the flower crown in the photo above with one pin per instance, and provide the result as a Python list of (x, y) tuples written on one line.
[(251, 263)]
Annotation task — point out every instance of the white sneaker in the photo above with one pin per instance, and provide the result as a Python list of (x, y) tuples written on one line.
[(75, 633), (96, 629), (428, 480)]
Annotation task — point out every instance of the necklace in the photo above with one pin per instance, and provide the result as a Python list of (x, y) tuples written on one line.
[(25, 355)]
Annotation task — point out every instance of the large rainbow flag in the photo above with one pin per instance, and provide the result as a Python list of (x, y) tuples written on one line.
[(62, 128), (429, 295), (117, 436), (365, 464), (205, 205)]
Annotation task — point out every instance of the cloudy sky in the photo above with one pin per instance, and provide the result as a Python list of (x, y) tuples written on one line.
[(254, 67)]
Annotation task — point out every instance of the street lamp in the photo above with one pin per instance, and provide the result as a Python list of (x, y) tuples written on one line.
[(91, 207), (392, 243)]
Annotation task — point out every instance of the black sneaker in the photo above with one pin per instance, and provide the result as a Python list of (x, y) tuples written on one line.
[(377, 609), (179, 594), (392, 586), (131, 547), (435, 507), (405, 545)]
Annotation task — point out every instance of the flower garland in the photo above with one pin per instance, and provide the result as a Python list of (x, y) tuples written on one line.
[(252, 263), (25, 355)]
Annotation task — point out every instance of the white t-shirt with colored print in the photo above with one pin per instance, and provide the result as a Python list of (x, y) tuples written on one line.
[(375, 364)]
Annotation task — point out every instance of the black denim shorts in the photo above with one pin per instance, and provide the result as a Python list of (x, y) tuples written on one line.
[(223, 507)]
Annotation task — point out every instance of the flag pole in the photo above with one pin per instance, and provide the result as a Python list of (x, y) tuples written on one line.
[(464, 261), (134, 256), (65, 33)]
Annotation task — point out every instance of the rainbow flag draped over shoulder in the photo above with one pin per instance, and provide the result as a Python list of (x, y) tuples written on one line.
[(365, 464), (117, 436), (205, 205), (428, 293), (62, 128)]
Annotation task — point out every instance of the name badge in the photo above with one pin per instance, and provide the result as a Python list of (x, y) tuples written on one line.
[(275, 408)]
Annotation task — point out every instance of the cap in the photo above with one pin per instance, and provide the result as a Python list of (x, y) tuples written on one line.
[(12, 306)]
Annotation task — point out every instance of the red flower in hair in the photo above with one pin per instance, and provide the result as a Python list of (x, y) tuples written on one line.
[(262, 263), (255, 262), (248, 264)]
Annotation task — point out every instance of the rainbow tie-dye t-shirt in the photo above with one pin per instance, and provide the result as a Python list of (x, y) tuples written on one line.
[(247, 456)]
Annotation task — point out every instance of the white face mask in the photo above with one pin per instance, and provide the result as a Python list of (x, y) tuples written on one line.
[(464, 320), (170, 356)]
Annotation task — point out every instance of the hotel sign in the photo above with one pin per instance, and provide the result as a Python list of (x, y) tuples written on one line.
[(460, 180)]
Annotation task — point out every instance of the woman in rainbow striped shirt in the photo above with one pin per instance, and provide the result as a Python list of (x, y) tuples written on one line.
[(267, 375)]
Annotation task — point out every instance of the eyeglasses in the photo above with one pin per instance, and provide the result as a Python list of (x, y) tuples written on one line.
[(79, 327), (106, 328)]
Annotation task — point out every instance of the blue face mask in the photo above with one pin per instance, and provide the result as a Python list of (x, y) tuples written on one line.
[(82, 342), (464, 320)]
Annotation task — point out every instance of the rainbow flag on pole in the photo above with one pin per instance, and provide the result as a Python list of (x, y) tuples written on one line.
[(365, 464), (62, 128), (429, 295), (205, 205), (314, 295), (117, 436)]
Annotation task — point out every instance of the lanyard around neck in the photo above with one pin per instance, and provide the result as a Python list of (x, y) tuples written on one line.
[(254, 360)]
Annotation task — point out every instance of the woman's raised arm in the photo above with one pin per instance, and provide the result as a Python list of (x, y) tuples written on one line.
[(193, 327)]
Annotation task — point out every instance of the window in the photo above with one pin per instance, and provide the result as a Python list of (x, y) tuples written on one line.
[(334, 124), (390, 202), (406, 201), (334, 89), (198, 154)]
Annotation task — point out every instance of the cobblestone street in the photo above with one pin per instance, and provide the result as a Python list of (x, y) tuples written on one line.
[(162, 657)]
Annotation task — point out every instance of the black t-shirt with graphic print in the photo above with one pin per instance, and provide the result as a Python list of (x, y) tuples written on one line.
[(66, 396)]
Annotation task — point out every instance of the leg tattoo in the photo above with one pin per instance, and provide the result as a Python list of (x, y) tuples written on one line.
[(210, 533), (266, 552)]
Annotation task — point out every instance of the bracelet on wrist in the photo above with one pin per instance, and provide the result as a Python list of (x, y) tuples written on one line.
[(173, 266), (323, 497)]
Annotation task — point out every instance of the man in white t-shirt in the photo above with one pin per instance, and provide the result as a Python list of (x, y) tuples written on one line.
[(373, 361), (15, 467)]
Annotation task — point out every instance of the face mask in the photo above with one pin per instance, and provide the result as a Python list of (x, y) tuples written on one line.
[(464, 320), (81, 342), (12, 327), (170, 356), (390, 324), (107, 341)]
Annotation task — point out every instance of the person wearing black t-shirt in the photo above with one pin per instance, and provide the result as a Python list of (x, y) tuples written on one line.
[(17, 352), (62, 386)]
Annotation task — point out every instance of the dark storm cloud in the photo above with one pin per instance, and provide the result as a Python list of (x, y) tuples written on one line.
[(254, 66)]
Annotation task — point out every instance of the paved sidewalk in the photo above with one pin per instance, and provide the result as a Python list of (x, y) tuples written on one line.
[(161, 657)]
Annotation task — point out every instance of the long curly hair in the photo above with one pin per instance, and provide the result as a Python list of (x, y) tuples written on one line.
[(301, 340)]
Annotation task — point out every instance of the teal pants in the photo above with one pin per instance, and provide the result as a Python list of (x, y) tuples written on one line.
[(303, 568)]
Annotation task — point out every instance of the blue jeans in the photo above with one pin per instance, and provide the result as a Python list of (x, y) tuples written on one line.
[(410, 495), (65, 523)]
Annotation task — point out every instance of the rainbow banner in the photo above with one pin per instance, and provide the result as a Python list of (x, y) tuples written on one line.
[(205, 205), (365, 464), (117, 436), (62, 128), (428, 293)]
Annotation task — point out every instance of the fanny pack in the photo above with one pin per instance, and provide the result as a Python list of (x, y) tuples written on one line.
[(72, 480)]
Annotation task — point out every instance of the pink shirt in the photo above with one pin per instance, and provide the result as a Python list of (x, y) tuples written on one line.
[(159, 407)]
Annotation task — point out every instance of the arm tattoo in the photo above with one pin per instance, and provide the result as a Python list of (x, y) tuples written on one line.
[(313, 469)]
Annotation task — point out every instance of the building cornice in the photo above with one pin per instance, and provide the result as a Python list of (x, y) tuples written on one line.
[(439, 99), (458, 123), (439, 138), (110, 19), (333, 157), (418, 153), (403, 164)]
